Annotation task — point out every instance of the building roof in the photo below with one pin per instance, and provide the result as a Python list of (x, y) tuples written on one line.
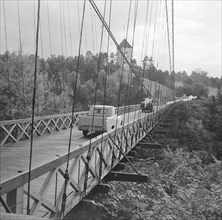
[(124, 44)]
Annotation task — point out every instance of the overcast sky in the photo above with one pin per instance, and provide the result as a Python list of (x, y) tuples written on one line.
[(197, 30)]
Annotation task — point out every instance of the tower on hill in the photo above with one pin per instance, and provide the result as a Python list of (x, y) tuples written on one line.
[(127, 48)]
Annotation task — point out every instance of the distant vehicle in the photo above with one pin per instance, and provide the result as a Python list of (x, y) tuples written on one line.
[(147, 107), (101, 118)]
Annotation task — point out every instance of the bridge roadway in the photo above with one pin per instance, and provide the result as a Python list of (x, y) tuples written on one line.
[(48, 152), (15, 157)]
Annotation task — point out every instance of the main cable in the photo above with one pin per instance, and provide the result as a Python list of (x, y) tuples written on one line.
[(113, 38)]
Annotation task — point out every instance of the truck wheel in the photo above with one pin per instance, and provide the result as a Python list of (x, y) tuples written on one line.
[(85, 133)]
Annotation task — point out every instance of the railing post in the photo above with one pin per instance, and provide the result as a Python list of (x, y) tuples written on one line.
[(14, 200)]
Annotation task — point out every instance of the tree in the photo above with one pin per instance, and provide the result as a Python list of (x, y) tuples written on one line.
[(200, 90)]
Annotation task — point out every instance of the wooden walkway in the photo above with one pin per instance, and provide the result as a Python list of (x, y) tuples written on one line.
[(48, 149), (15, 157)]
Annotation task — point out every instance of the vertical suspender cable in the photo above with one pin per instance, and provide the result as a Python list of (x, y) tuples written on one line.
[(49, 28), (173, 70), (168, 34), (61, 30), (21, 61), (7, 61), (88, 157), (127, 100), (140, 92), (66, 175), (91, 15), (70, 32), (105, 84), (121, 80), (33, 106), (134, 31), (64, 28), (42, 63), (1, 28)]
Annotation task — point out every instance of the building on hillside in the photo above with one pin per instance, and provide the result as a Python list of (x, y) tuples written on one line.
[(127, 48)]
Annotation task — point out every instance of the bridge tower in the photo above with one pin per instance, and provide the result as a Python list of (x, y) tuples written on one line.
[(127, 49)]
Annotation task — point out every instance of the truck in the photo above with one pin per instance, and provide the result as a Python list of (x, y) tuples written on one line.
[(147, 105), (101, 118)]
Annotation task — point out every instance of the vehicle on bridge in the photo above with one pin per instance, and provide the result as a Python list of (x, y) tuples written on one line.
[(101, 118), (147, 105)]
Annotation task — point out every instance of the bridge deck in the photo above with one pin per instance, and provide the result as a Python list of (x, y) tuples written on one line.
[(14, 158)]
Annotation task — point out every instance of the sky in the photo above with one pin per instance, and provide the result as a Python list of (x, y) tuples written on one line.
[(197, 30)]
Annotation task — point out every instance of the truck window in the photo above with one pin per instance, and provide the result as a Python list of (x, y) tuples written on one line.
[(99, 111)]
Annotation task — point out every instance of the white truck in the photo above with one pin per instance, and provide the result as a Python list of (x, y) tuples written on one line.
[(101, 118)]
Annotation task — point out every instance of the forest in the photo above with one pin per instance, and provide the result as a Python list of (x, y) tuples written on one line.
[(97, 73)]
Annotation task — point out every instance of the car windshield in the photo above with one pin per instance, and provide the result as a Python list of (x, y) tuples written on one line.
[(99, 111)]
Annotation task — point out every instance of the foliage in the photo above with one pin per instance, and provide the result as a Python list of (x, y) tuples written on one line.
[(57, 81), (196, 84), (179, 187), (198, 125)]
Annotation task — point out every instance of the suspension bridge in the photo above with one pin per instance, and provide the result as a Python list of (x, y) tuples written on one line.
[(47, 166)]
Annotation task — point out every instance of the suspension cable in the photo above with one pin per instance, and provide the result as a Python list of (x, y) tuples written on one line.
[(7, 60), (0, 28), (49, 29), (105, 84), (88, 157), (33, 106), (21, 61), (168, 34), (173, 49), (121, 79), (33, 4), (70, 32), (134, 31), (92, 29), (64, 28), (42, 63), (66, 175), (114, 39)]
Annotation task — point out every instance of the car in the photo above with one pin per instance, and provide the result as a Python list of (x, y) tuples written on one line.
[(101, 118)]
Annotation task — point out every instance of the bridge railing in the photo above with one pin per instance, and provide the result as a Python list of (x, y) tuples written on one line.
[(16, 130), (48, 180), (20, 129)]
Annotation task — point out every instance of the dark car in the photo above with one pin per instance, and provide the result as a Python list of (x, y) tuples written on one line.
[(147, 108)]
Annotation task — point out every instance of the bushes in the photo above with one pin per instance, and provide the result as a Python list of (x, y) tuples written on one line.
[(198, 126)]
